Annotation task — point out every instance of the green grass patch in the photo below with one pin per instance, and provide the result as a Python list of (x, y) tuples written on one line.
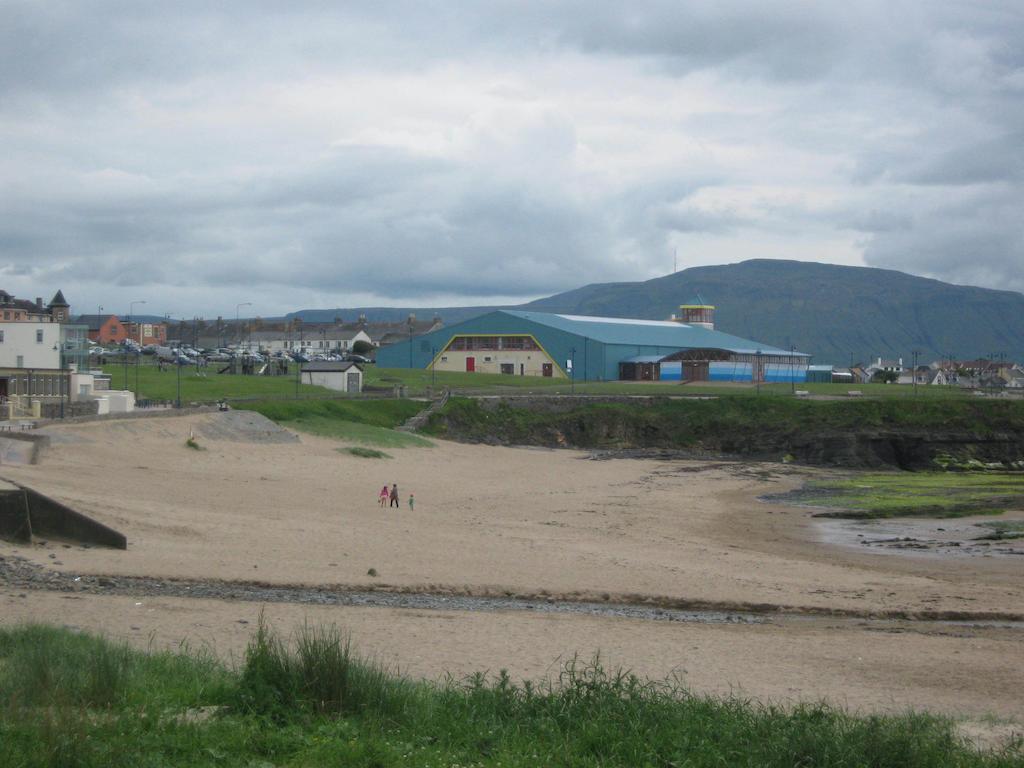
[(368, 422), (1002, 530), (917, 494), (313, 700), (205, 385), (365, 453)]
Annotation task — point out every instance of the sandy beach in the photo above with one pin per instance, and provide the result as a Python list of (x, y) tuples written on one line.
[(276, 509)]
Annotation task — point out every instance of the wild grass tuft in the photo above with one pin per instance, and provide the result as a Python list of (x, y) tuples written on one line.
[(317, 672), (365, 453), (74, 700)]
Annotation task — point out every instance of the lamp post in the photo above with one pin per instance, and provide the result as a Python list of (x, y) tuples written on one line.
[(60, 347), (412, 322), (238, 329), (915, 353), (99, 324), (792, 373), (131, 308), (433, 364), (572, 371), (757, 371)]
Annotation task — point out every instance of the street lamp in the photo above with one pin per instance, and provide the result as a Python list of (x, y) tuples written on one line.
[(238, 329), (572, 371), (412, 322), (60, 346), (124, 355), (757, 371), (792, 372)]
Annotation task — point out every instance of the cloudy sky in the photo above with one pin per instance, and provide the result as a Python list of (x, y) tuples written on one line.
[(196, 155)]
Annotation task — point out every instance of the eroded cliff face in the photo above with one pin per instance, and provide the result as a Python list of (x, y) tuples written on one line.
[(631, 425)]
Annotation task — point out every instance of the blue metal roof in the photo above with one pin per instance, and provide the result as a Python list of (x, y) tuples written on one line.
[(662, 333)]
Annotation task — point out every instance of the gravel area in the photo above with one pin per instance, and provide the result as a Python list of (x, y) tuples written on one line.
[(17, 573)]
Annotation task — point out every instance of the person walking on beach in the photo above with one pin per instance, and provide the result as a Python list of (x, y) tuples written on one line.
[(412, 502), (394, 496), (382, 497)]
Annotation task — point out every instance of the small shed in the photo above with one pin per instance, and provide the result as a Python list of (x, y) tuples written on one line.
[(341, 377), (819, 374)]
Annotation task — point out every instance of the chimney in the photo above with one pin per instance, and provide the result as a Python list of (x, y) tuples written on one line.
[(39, 302)]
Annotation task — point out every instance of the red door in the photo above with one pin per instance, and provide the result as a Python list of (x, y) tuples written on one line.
[(470, 364), (546, 369)]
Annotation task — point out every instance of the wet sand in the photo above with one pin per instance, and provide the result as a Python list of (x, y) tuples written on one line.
[(520, 522)]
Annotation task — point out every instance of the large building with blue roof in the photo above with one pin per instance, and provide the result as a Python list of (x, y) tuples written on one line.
[(523, 343)]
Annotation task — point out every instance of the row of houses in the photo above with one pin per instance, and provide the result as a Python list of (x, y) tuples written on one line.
[(254, 335), (979, 373)]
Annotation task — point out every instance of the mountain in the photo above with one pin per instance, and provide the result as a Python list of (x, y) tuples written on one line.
[(836, 313)]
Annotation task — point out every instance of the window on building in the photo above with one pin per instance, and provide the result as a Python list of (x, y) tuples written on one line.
[(39, 336), (1, 337), (481, 343), (7, 315), (21, 362)]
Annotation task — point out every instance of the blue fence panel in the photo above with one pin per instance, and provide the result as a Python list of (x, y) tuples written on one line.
[(671, 371)]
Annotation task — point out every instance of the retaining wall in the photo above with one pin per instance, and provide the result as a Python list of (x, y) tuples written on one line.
[(25, 513)]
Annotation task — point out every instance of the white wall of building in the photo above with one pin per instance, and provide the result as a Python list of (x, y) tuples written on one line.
[(336, 380), (30, 345)]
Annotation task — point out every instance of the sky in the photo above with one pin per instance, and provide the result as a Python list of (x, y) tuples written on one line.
[(290, 155)]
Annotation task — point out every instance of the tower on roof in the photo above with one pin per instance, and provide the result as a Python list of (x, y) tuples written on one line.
[(59, 308), (698, 312)]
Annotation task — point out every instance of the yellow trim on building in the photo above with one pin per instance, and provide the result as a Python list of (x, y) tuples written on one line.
[(540, 346)]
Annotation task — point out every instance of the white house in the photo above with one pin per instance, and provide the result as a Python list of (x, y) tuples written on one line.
[(30, 345), (889, 366), (30, 362), (310, 341), (342, 377)]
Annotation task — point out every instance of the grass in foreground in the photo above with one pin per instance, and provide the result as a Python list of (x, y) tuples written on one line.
[(74, 700), (367, 422), (918, 494)]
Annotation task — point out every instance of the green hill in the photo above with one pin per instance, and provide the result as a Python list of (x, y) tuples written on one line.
[(837, 314)]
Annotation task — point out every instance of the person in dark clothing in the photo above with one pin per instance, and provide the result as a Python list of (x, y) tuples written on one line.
[(394, 496)]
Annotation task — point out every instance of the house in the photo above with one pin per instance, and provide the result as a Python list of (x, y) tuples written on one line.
[(145, 334), (104, 329), (307, 339), (31, 361), (341, 377), (24, 311), (887, 369)]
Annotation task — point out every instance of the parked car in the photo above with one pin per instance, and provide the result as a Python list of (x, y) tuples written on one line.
[(357, 359)]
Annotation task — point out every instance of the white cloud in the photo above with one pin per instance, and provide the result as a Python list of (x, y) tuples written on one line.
[(497, 151)]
